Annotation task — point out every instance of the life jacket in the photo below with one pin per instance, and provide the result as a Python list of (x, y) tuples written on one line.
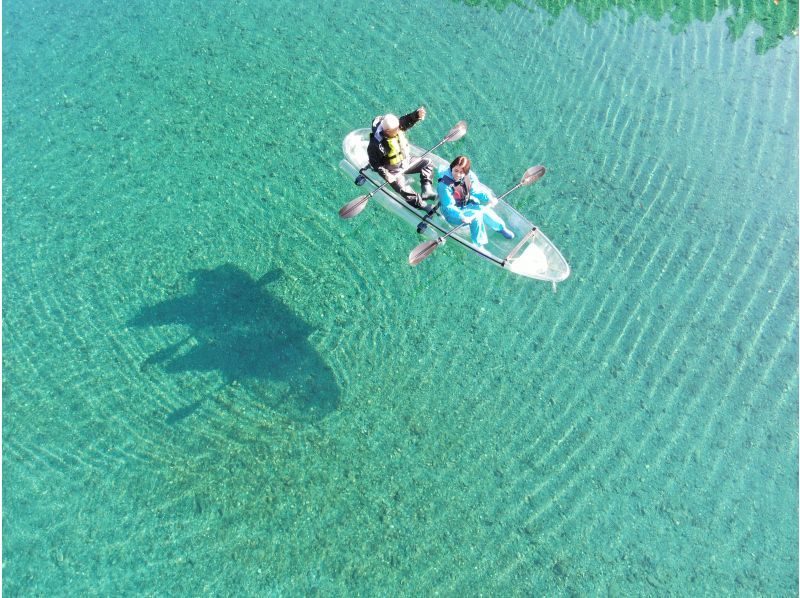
[(394, 149), (462, 190)]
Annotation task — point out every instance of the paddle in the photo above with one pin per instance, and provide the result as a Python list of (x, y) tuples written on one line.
[(423, 250), (355, 207)]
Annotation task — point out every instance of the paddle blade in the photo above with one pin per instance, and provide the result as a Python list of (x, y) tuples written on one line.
[(421, 251), (457, 132), (354, 208), (533, 174)]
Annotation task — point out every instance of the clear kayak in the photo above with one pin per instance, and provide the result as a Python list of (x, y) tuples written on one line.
[(529, 254)]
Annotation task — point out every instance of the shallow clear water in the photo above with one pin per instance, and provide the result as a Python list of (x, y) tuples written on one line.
[(211, 383)]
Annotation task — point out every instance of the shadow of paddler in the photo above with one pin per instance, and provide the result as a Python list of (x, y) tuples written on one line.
[(237, 328)]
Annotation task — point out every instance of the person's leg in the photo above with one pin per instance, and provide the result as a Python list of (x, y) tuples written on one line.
[(406, 191), (492, 219), (496, 223), (477, 227), (423, 166)]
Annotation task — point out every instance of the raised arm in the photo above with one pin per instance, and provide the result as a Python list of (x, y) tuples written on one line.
[(412, 118)]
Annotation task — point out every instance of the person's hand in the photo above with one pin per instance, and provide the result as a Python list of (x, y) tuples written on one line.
[(467, 219), (421, 113), (492, 202)]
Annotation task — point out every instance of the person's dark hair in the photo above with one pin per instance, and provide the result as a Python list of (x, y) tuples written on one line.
[(462, 162)]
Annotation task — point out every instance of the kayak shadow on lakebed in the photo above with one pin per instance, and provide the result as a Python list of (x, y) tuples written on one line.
[(236, 327)]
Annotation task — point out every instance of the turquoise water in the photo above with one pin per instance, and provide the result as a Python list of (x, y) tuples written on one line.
[(212, 384)]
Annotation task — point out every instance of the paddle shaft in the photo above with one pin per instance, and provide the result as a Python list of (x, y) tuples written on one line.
[(450, 232), (526, 180), (514, 188)]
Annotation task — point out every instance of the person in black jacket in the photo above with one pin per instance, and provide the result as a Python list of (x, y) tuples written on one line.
[(388, 154)]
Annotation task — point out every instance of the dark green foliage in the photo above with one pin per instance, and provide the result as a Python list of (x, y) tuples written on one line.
[(778, 21)]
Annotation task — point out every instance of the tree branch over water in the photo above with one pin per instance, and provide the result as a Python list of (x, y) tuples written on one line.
[(777, 18)]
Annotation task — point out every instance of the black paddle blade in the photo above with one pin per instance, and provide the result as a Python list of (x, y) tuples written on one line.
[(421, 251), (533, 174), (354, 208)]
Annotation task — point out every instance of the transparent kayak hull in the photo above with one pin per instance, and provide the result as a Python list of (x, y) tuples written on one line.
[(530, 253)]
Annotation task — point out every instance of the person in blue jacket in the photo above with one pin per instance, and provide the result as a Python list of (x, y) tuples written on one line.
[(464, 199)]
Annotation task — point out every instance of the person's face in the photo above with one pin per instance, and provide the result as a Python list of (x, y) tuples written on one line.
[(458, 173), (391, 132)]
